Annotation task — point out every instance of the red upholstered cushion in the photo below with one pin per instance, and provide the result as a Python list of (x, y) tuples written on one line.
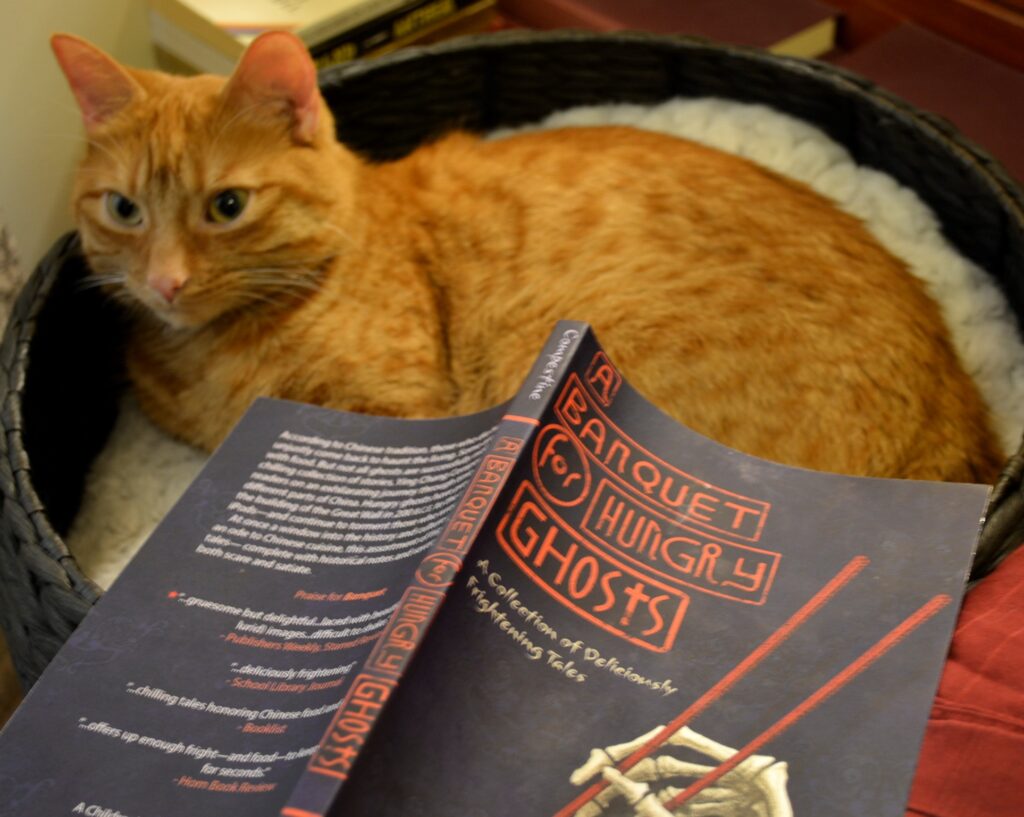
[(972, 760)]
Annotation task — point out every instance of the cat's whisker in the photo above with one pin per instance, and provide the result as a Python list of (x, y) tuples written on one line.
[(344, 234), (261, 297), (96, 281), (279, 286), (238, 291), (252, 298), (270, 285), (286, 277), (270, 296), (125, 298)]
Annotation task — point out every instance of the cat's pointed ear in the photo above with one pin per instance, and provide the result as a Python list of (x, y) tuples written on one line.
[(100, 84), (276, 68)]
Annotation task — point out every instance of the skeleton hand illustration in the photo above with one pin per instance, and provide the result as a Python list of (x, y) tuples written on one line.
[(755, 788)]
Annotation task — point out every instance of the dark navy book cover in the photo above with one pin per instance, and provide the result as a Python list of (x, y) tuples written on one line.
[(591, 610)]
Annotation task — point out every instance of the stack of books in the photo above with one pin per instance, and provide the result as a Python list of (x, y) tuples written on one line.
[(209, 36)]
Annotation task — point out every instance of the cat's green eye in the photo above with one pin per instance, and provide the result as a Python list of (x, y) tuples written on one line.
[(227, 205), (123, 210)]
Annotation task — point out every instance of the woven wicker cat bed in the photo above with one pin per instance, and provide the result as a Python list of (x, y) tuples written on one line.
[(60, 355)]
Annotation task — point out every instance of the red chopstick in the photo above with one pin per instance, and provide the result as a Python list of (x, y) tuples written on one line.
[(829, 688), (812, 606)]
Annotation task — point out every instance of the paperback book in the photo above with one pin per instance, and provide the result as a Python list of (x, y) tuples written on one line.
[(418, 23), (210, 36), (566, 606)]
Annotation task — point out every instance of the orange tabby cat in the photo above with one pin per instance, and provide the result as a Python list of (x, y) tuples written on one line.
[(267, 259)]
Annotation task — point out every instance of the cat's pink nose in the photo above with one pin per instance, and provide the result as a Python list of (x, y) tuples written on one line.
[(167, 285)]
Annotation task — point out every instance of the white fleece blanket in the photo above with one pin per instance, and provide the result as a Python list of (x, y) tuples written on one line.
[(142, 472)]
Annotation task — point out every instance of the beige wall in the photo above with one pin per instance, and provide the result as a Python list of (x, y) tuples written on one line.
[(40, 130)]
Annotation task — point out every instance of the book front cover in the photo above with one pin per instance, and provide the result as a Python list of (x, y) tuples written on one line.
[(654, 624)]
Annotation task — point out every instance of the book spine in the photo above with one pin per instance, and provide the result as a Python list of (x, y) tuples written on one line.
[(473, 19), (331, 764), (398, 24), (357, 13)]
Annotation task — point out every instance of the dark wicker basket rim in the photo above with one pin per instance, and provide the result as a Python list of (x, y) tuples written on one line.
[(841, 79)]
